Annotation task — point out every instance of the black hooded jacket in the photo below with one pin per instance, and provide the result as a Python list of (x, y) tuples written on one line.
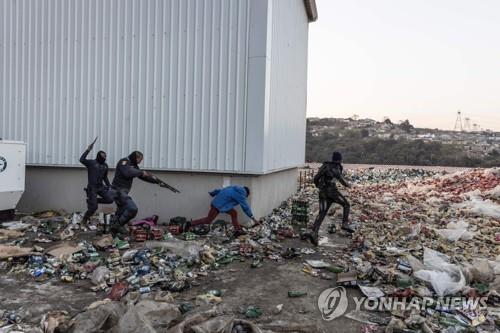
[(97, 172), (328, 175), (125, 173)]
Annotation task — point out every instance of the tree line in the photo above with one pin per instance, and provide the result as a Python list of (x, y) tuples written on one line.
[(356, 147)]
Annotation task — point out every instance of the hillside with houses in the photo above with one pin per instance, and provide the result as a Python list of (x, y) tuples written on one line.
[(387, 142)]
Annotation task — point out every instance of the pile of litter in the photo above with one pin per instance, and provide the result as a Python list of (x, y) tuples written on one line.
[(432, 235), (55, 247), (418, 234), (388, 176)]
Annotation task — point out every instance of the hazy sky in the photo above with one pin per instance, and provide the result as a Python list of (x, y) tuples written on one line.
[(420, 60)]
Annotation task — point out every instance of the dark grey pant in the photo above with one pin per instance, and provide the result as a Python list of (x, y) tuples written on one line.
[(96, 197), (126, 208), (326, 198)]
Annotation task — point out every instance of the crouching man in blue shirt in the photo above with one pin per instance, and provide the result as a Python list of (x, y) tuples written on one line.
[(224, 201)]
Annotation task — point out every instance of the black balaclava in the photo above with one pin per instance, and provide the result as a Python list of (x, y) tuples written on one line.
[(101, 157), (247, 190), (133, 156), (336, 157)]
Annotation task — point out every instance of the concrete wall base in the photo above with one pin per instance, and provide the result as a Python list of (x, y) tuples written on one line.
[(62, 188)]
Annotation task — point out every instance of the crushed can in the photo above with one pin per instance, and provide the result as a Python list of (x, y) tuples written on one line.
[(35, 260), (143, 270), (67, 278), (404, 266), (38, 272), (145, 290)]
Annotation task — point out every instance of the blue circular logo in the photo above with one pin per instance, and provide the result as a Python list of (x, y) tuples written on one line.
[(3, 164)]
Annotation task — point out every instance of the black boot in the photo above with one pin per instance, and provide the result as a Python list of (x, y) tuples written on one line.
[(238, 233), (118, 230), (186, 226), (313, 237), (85, 219)]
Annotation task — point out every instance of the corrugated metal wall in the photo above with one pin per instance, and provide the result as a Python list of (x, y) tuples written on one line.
[(167, 77), (285, 138)]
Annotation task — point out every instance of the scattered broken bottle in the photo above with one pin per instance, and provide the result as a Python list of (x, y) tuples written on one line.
[(297, 293)]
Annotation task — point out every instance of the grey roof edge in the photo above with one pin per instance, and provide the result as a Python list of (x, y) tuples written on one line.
[(311, 9)]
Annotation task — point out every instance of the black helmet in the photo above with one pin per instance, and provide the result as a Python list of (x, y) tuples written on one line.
[(336, 157), (101, 157), (134, 156)]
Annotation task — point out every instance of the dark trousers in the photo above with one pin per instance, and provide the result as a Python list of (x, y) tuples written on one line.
[(126, 208), (212, 214), (96, 197), (326, 198)]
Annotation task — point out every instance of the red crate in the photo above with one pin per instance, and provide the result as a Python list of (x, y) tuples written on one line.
[(139, 234), (156, 234)]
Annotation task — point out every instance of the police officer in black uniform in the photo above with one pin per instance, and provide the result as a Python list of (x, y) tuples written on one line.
[(98, 191), (126, 170), (325, 180)]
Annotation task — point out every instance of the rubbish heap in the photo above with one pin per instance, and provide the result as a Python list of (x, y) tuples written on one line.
[(422, 234), (54, 246), (418, 234)]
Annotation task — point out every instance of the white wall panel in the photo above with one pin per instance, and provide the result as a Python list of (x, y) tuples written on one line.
[(208, 85), (167, 77), (285, 136)]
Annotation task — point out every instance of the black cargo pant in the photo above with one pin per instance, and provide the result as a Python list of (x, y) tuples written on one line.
[(327, 196), (96, 196), (126, 208)]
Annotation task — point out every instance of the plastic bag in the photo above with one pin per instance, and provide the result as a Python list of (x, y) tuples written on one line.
[(98, 319), (480, 271), (477, 206), (415, 229), (415, 264), (451, 234), (180, 248), (455, 231), (148, 317), (52, 320), (445, 278), (100, 275), (496, 266), (212, 321)]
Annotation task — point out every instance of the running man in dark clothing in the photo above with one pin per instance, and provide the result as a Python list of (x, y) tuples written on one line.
[(126, 170), (98, 187), (325, 180)]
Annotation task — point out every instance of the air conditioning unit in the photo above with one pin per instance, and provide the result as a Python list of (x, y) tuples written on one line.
[(12, 174)]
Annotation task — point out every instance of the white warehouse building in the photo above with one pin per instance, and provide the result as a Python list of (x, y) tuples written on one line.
[(213, 92)]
